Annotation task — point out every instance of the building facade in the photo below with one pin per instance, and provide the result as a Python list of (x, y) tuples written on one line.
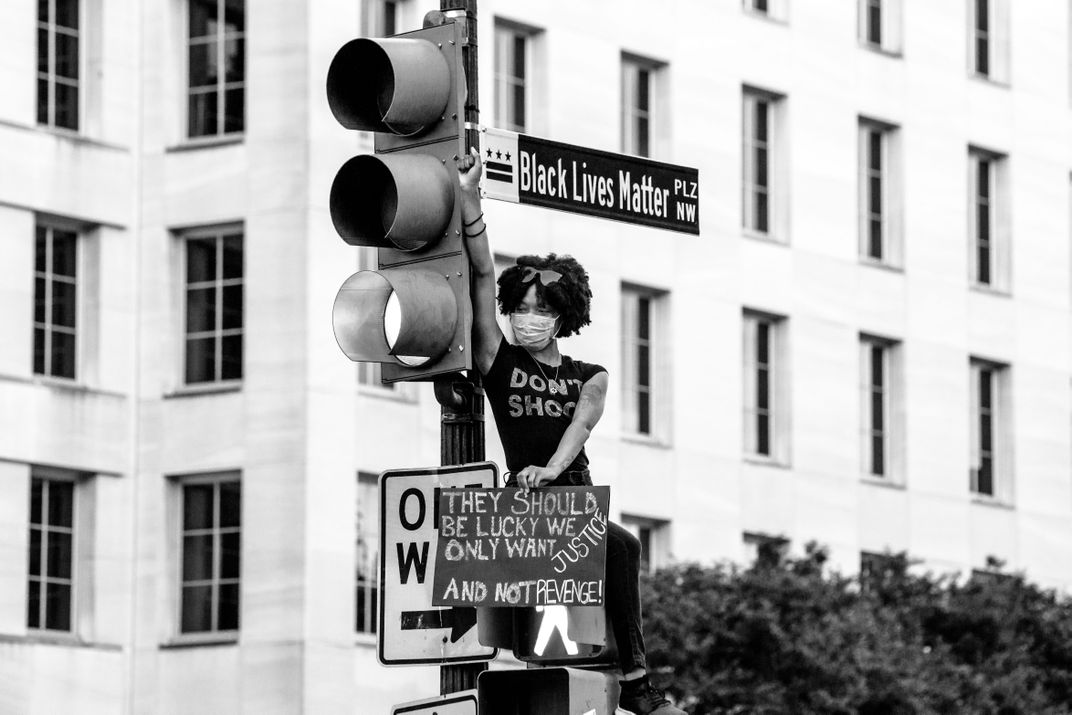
[(869, 345)]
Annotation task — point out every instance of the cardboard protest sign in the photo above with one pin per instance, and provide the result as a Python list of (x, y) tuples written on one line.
[(503, 547)]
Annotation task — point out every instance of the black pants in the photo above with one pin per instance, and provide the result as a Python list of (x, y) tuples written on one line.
[(622, 582)]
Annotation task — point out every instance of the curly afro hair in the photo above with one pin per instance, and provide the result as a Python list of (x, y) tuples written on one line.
[(570, 295)]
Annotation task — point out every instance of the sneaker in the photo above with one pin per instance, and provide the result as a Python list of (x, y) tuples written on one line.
[(640, 698)]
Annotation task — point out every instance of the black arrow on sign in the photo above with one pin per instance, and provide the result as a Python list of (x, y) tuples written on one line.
[(458, 620)]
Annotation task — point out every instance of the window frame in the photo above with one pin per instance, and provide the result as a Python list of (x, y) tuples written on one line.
[(892, 407), (773, 179), (369, 480), (221, 86), (997, 60), (654, 537), (753, 541), (657, 390), (892, 204), (507, 34), (51, 28), (889, 41), (777, 391), (374, 16), (998, 239), (177, 485), (51, 226), (631, 65), (219, 233), (998, 411), (78, 571)]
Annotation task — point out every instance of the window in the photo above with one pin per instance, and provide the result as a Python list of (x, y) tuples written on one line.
[(653, 535), (214, 306), (51, 554), (765, 412), (640, 120), (211, 554), (986, 220), (763, 192), (511, 76), (368, 539), (876, 569), (988, 469), (880, 222), (763, 549), (987, 39), (772, 9), (642, 411), (879, 387), (55, 301), (58, 63), (216, 67), (380, 17), (880, 24)]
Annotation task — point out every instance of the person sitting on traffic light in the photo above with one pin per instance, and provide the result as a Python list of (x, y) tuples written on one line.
[(546, 405)]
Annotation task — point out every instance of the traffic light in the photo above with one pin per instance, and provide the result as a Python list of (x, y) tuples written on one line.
[(413, 314), (550, 635), (547, 691)]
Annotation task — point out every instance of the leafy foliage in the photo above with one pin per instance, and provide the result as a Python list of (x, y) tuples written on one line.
[(785, 636)]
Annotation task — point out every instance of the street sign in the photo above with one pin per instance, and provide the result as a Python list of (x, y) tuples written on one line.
[(461, 703), (411, 631), (529, 170)]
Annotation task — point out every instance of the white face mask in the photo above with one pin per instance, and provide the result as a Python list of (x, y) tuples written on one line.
[(533, 332)]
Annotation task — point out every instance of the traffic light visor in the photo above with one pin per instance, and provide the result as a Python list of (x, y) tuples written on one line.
[(404, 315), (389, 85), (402, 201)]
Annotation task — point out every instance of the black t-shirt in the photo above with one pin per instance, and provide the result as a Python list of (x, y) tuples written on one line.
[(533, 404)]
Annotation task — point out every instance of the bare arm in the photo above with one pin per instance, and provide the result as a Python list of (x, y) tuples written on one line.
[(486, 333), (585, 416)]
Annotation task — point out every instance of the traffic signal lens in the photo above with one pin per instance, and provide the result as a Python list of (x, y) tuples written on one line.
[(402, 85), (392, 327), (388, 201)]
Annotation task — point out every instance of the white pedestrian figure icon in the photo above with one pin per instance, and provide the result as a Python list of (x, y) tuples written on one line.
[(554, 617)]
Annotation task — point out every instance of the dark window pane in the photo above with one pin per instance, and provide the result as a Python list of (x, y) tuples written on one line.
[(200, 260), (519, 56), (983, 222), (33, 604), (204, 66), (39, 351), (877, 411), (42, 101), (874, 23), (202, 18), (982, 56), (760, 5), (230, 504), (37, 489), (66, 108), (58, 606), (232, 256), (874, 150), (232, 357), (517, 113), (760, 128), (197, 506), (643, 376), (874, 241), (63, 356), (228, 613), (42, 54), (982, 15), (196, 609), (644, 413), (874, 194), (63, 304), (235, 103), (761, 218), (200, 309), (878, 456), (64, 253), (984, 265), (66, 55), (61, 503), (985, 476), (59, 554), (983, 178), (762, 388), (986, 433), (985, 384), (35, 552), (234, 60), (40, 300), (762, 434), (203, 114), (230, 555), (67, 13), (41, 249), (762, 343), (643, 89), (760, 176), (42, 11), (197, 558), (200, 360), (390, 18), (877, 370), (234, 15), (643, 318), (643, 137)]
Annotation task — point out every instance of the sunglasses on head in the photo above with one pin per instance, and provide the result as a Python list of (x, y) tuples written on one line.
[(547, 276)]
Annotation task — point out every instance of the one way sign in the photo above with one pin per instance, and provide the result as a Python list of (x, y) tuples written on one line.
[(411, 631)]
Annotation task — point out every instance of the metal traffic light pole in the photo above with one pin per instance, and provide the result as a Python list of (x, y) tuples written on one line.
[(461, 399)]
